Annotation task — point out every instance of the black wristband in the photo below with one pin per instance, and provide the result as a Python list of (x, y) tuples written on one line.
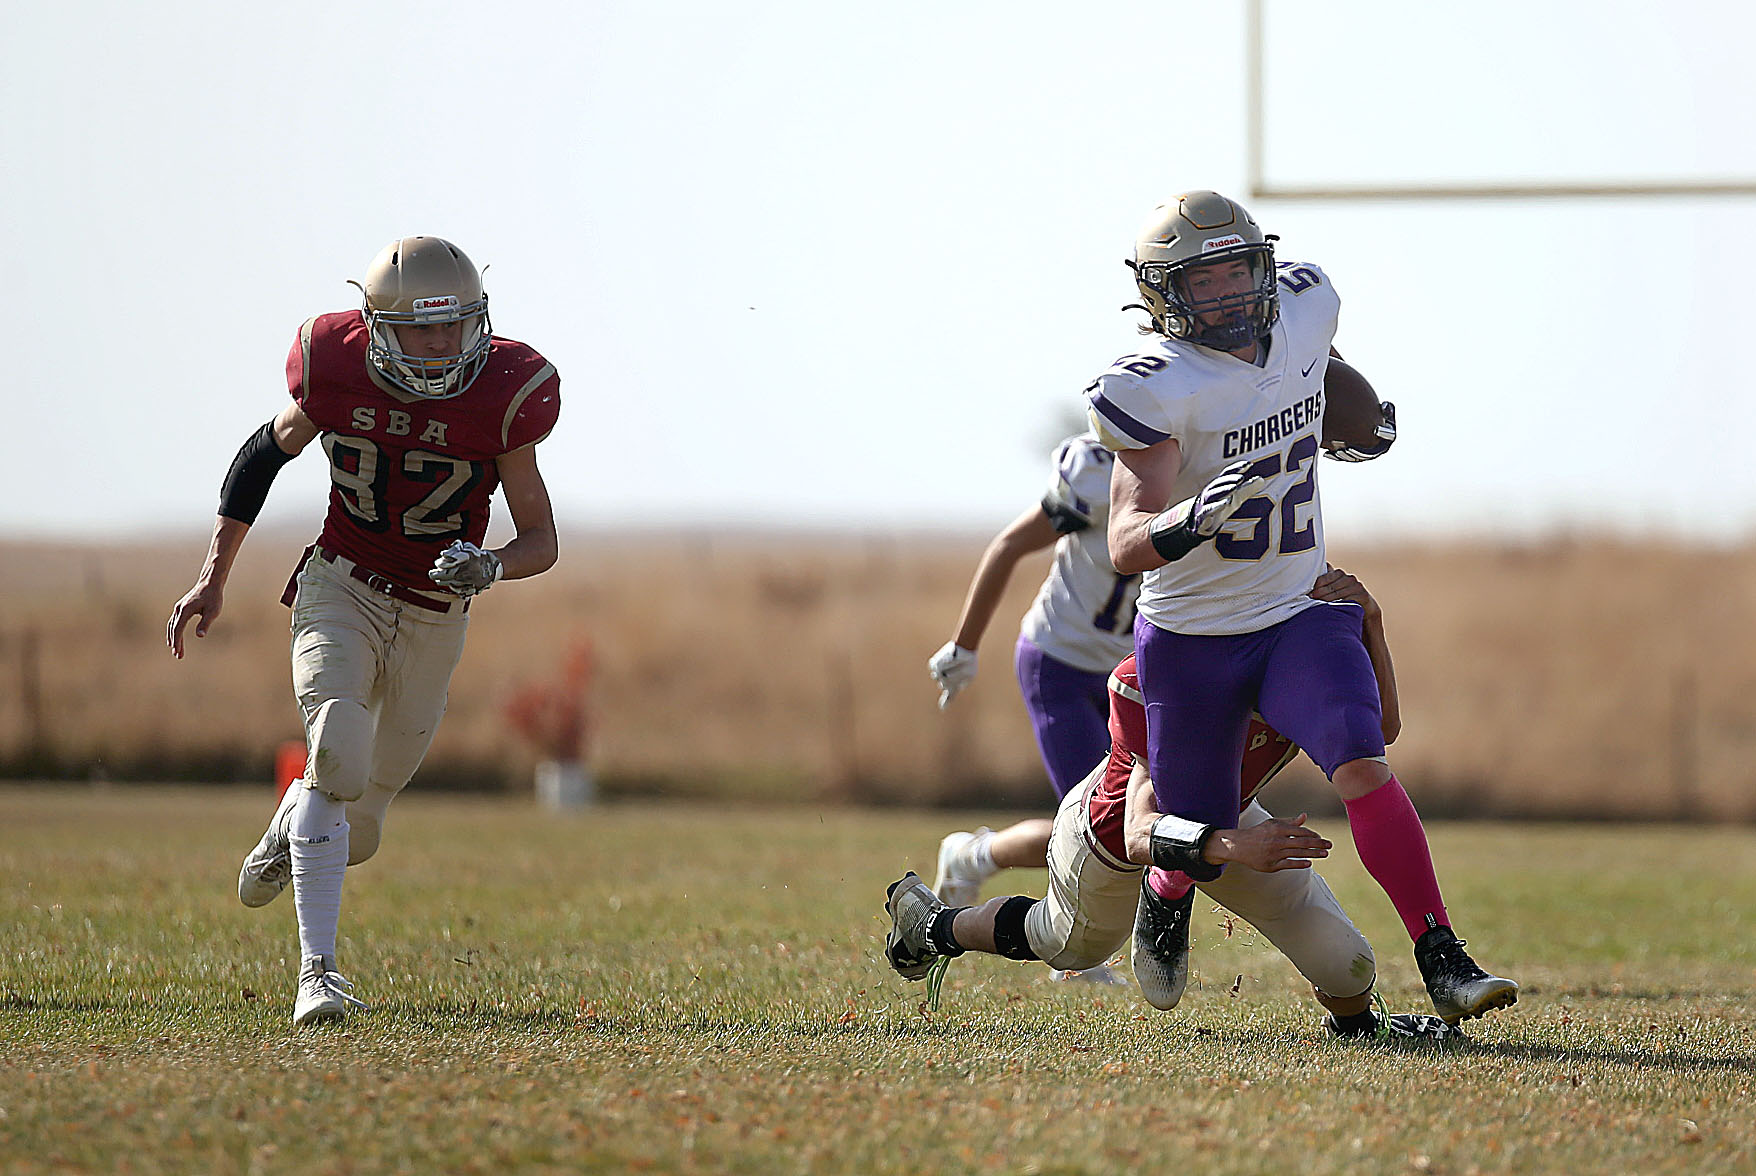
[(1177, 845), (1174, 539), (246, 486)]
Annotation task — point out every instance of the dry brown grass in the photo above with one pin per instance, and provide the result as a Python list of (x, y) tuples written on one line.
[(1569, 677)]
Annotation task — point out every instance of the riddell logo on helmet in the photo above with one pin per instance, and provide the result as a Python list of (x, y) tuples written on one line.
[(1221, 242), (443, 302)]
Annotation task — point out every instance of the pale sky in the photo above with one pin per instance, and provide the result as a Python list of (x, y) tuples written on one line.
[(806, 264)]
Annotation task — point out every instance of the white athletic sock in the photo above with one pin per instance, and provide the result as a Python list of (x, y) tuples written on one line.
[(319, 837), (981, 854)]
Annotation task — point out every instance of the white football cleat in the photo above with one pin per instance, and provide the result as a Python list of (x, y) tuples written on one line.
[(269, 867), (1102, 974), (324, 993), (959, 882)]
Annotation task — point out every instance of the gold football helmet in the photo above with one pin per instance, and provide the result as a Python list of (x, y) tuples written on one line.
[(422, 281), (1192, 230)]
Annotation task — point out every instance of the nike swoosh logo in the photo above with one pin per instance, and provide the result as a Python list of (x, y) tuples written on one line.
[(1309, 366)]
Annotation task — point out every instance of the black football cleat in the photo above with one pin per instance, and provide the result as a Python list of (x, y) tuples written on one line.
[(1457, 985), (912, 908), (1397, 1027), (1160, 954)]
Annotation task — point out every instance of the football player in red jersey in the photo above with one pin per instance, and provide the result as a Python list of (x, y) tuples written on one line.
[(422, 411), (1102, 839)]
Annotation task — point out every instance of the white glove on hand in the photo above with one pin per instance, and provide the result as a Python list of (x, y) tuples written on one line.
[(1184, 527), (1220, 499), (465, 569), (953, 668)]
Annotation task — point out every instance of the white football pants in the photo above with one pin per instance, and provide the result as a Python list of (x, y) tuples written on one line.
[(372, 675), (1088, 913)]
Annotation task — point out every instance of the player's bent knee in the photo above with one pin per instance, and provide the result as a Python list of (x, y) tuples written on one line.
[(1360, 776), (341, 749), (1356, 981), (1354, 741), (1341, 964), (367, 815), (1080, 957), (365, 832)]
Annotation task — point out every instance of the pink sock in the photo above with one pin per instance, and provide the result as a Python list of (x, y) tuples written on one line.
[(1169, 885), (1393, 848)]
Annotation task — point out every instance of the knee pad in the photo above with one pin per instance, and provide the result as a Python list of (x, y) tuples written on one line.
[(1082, 960), (341, 749), (1009, 937), (1361, 975), (1371, 979), (364, 832), (366, 818)]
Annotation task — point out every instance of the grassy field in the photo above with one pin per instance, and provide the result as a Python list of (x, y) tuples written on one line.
[(673, 988)]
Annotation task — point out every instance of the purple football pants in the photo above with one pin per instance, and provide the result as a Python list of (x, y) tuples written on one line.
[(1069, 711), (1308, 676)]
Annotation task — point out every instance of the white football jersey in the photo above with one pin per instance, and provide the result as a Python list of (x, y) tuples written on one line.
[(1084, 615), (1257, 570)]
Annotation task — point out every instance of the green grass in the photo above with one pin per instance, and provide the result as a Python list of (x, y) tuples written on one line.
[(673, 988)]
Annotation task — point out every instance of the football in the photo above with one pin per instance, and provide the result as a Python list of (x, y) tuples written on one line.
[(1351, 414)]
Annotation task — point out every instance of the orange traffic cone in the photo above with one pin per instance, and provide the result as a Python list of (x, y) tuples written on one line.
[(289, 765)]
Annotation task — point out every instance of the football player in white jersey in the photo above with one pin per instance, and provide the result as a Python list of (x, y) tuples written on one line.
[(1229, 392), (1080, 626)]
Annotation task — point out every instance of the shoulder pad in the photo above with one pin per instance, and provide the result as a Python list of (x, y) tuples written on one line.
[(1119, 404), (1141, 365), (1079, 485), (527, 385), (1300, 277), (533, 408)]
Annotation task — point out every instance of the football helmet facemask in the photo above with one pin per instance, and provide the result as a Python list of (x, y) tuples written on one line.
[(422, 281), (1193, 230)]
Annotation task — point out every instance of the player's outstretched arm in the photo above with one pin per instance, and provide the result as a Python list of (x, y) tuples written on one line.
[(1269, 846), (535, 547), (241, 498), (1274, 844), (954, 665), (207, 598)]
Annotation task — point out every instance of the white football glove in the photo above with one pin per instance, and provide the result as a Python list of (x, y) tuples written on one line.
[(465, 569), (953, 668), (1184, 527), (1386, 438)]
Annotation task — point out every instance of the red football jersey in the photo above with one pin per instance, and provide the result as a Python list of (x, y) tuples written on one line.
[(1266, 752), (409, 475)]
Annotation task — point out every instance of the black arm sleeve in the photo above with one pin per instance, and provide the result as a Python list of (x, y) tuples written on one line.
[(252, 473)]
